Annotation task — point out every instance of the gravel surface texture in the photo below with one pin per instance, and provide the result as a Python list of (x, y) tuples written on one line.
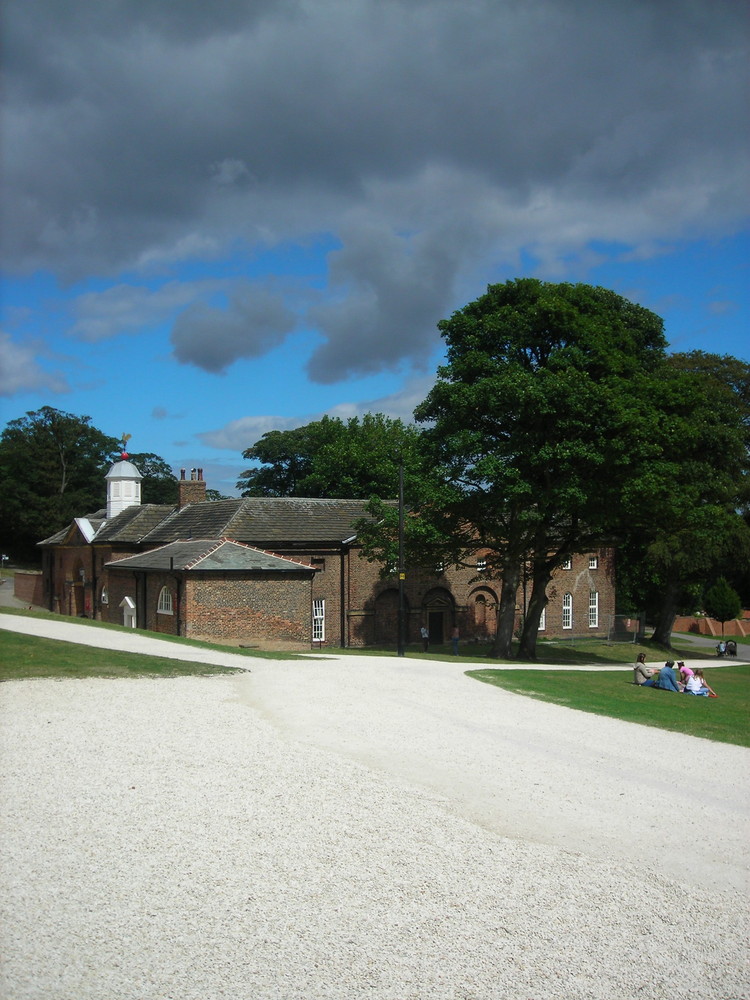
[(369, 828)]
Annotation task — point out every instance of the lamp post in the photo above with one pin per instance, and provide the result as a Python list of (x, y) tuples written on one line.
[(401, 573), (4, 561)]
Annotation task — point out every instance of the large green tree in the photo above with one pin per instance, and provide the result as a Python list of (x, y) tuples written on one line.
[(353, 459), (52, 468), (535, 422), (682, 520)]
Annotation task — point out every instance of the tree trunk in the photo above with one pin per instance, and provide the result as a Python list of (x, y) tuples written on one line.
[(667, 613), (506, 612), (537, 604)]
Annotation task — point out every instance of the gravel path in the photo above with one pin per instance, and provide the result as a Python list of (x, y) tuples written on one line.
[(346, 828)]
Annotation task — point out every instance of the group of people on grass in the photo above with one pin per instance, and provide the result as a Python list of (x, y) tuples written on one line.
[(683, 680)]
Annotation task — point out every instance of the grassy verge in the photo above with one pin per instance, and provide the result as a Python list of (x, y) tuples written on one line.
[(189, 643), (24, 656), (583, 652), (724, 719)]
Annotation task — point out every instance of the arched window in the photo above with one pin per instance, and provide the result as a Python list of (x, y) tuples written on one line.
[(480, 611), (164, 606)]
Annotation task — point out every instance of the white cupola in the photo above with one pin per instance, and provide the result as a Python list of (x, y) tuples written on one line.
[(123, 487)]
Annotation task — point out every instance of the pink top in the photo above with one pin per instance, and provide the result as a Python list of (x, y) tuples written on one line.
[(686, 671)]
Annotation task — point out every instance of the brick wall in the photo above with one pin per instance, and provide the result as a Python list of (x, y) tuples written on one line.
[(253, 609), (28, 587), (468, 598)]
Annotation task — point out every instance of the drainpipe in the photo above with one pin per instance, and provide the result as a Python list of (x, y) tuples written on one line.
[(342, 596)]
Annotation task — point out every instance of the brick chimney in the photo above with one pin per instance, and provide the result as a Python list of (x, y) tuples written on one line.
[(191, 490)]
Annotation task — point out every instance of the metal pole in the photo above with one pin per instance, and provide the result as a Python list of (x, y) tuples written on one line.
[(401, 573)]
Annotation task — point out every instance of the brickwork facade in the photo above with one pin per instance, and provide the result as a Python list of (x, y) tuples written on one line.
[(345, 602)]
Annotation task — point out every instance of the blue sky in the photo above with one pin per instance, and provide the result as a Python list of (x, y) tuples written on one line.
[(225, 219)]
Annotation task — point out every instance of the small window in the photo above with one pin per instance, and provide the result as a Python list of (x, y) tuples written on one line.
[(481, 565), (105, 596), (567, 563), (164, 606), (440, 567), (594, 609), (543, 620), (593, 562), (567, 611), (319, 620)]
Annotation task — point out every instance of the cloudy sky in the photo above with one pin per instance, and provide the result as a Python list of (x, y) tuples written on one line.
[(223, 218)]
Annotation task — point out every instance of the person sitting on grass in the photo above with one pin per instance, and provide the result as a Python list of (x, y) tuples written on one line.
[(685, 672), (667, 679), (643, 675), (697, 685)]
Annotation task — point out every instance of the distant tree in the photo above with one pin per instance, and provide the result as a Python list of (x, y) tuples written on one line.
[(536, 423), (332, 458), (52, 468), (722, 602), (159, 484)]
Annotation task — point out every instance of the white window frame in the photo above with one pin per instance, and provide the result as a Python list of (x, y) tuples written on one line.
[(481, 564), (319, 620), (567, 611), (165, 606), (568, 563), (543, 620), (593, 562), (593, 609)]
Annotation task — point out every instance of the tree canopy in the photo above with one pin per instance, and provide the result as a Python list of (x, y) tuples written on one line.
[(353, 459), (52, 466), (534, 423)]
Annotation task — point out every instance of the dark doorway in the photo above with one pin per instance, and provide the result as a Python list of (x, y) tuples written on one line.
[(435, 627)]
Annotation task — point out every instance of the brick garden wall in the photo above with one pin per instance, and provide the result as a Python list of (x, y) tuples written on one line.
[(28, 586)]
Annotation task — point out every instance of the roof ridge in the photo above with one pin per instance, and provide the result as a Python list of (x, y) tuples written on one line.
[(204, 555)]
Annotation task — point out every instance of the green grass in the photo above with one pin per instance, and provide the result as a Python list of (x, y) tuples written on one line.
[(611, 693), (25, 656), (580, 652)]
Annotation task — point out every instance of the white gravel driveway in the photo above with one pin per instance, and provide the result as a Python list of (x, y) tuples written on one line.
[(376, 827)]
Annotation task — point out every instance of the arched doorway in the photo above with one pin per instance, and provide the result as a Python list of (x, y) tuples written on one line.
[(483, 610), (438, 609)]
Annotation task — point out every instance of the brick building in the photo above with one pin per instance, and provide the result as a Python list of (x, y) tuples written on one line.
[(283, 573)]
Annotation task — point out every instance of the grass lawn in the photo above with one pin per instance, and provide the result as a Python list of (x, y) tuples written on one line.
[(579, 652), (724, 719), (23, 656)]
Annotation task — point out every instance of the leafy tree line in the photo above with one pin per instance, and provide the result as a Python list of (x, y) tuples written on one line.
[(557, 424)]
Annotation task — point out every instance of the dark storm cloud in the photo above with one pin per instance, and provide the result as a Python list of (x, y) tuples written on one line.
[(254, 322), (429, 137)]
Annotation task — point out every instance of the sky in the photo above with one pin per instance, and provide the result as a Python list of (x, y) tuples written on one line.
[(220, 219)]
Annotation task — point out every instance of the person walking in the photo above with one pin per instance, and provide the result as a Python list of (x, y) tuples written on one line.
[(454, 639), (425, 638)]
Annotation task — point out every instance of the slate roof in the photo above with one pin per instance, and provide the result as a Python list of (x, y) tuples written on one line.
[(134, 523), (209, 554), (267, 522), (263, 521)]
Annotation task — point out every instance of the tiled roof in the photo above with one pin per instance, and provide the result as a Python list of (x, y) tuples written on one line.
[(263, 521), (208, 519), (268, 522), (210, 554), (133, 523)]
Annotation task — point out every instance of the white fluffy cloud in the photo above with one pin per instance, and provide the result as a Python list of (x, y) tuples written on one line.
[(20, 370)]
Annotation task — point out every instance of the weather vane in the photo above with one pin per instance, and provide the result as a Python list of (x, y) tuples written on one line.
[(125, 439)]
